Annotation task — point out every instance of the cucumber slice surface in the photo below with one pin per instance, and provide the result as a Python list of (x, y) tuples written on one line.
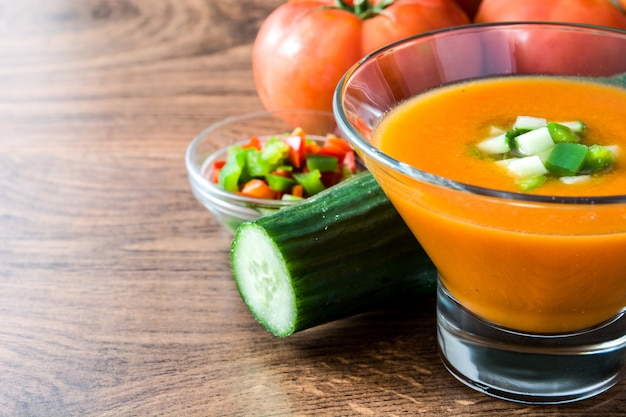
[(265, 280)]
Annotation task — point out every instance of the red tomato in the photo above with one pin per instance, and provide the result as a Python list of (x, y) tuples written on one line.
[(561, 52), (305, 46), (594, 12)]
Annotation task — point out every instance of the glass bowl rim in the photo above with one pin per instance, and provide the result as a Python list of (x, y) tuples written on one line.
[(405, 169)]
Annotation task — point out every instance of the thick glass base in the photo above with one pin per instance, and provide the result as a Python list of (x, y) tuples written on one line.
[(529, 368)]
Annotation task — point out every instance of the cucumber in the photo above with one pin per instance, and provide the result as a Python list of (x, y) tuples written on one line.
[(341, 252)]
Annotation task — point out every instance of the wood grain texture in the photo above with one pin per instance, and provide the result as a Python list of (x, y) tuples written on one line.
[(116, 297)]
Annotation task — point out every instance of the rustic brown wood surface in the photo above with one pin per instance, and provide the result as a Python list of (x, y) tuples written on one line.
[(116, 297)]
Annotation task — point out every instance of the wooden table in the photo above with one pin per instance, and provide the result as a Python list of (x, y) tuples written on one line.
[(116, 296)]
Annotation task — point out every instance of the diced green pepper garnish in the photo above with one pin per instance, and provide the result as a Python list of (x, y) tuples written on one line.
[(279, 183), (311, 181), (262, 162), (566, 159), (511, 136), (535, 141), (598, 158), (233, 169), (274, 151), (323, 163), (495, 145), (562, 134), (256, 165), (529, 184), (527, 123)]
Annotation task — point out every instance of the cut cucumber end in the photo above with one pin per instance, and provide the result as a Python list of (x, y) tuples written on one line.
[(263, 280)]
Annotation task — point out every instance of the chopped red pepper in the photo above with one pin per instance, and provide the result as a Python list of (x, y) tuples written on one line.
[(297, 150), (332, 149), (254, 143), (341, 142), (312, 148), (214, 172), (283, 173), (349, 161), (297, 191), (258, 188), (335, 146)]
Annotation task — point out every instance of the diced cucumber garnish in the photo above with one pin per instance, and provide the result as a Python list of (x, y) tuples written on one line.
[(526, 167), (529, 122), (494, 145), (495, 131), (575, 179), (535, 150), (534, 141)]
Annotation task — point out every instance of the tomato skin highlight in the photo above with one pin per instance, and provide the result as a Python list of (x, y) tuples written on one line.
[(304, 47)]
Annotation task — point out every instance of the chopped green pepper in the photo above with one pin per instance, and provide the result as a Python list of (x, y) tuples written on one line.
[(232, 170), (279, 183), (323, 163), (566, 159), (311, 181), (528, 184), (562, 134), (598, 158)]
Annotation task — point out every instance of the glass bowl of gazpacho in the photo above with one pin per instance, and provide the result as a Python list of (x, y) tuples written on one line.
[(503, 147)]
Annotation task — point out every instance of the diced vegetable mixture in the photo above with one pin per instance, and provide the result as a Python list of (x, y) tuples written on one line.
[(291, 166), (535, 150)]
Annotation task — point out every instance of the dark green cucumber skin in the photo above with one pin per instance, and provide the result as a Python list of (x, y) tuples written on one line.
[(348, 251)]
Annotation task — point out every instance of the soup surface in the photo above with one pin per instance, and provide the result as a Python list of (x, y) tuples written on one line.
[(437, 131)]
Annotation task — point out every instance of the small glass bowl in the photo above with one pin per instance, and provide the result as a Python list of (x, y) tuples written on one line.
[(212, 144)]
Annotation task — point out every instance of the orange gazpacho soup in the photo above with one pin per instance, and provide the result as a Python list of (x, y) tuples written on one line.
[(542, 267)]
